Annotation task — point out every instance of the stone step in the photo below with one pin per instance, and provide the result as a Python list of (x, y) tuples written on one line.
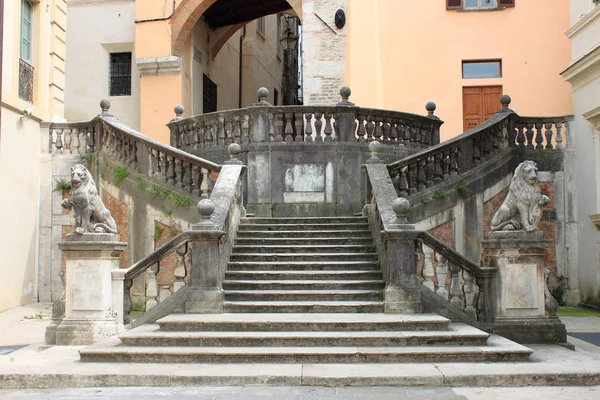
[(303, 295), (270, 322), (304, 220), (111, 351), (275, 249), (301, 227), (456, 335), (303, 285), (355, 233), (296, 307), (304, 241), (304, 257), (303, 275), (303, 266)]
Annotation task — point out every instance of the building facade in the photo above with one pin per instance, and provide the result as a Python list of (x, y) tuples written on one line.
[(583, 73), (33, 82)]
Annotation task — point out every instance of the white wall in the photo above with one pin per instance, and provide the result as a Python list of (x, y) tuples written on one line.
[(94, 30)]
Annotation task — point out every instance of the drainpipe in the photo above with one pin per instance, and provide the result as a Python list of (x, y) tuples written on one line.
[(137, 21), (240, 72)]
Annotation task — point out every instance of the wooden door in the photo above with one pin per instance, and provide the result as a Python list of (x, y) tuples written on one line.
[(479, 104)]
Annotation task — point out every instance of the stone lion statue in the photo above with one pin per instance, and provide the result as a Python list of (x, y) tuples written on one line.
[(522, 208), (91, 215)]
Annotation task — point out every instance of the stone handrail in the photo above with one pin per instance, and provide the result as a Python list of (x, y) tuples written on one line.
[(341, 123), (76, 138), (543, 132)]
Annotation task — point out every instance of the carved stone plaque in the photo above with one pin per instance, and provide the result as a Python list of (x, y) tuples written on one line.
[(522, 293)]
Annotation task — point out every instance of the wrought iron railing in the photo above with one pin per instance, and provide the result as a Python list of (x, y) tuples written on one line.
[(25, 80)]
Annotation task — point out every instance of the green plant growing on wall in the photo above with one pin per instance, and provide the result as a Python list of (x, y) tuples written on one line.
[(89, 159), (158, 231), (180, 200), (552, 338), (168, 213), (141, 184), (438, 194), (120, 173), (160, 192), (425, 201), (463, 190), (62, 185)]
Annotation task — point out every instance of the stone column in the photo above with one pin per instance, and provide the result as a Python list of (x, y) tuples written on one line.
[(89, 310), (346, 118), (520, 294), (205, 287), (402, 292)]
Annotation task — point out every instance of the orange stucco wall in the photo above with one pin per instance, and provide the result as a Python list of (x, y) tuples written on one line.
[(401, 54)]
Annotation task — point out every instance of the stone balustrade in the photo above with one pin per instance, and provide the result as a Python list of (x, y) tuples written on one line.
[(343, 122)]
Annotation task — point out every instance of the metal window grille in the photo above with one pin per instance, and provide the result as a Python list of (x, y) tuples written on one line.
[(120, 74), (25, 81), (209, 95)]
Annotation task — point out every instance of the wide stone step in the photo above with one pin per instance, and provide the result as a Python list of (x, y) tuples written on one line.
[(301, 227), (304, 220), (456, 335), (303, 275), (362, 233), (270, 249), (303, 266), (296, 307), (308, 257), (303, 295), (303, 285), (500, 350), (269, 322), (303, 241)]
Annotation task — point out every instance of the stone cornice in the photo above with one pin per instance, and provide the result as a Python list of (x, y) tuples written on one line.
[(594, 117), (589, 17), (153, 66), (596, 220), (584, 69)]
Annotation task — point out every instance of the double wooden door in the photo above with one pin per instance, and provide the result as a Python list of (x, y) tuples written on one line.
[(479, 104)]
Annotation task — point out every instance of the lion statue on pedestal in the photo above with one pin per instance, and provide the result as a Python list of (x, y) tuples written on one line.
[(91, 215), (522, 208)]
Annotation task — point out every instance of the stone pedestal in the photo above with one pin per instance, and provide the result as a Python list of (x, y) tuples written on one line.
[(89, 311), (520, 301), (402, 292)]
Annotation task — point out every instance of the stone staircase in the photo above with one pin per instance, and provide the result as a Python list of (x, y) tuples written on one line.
[(304, 290)]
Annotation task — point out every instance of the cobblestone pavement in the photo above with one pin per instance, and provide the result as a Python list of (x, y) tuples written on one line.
[(310, 393)]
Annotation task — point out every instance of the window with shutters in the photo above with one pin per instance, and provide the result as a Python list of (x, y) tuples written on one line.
[(209, 93), (478, 4), (26, 71)]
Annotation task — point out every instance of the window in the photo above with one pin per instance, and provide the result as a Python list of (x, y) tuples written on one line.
[(260, 26), (26, 53), (275, 96), (482, 69), (120, 74), (209, 95), (478, 4)]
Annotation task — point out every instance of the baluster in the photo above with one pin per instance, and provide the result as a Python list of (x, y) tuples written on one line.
[(245, 129), (455, 290), (405, 135), (446, 165), (386, 129), (133, 162), (328, 129), (438, 174), (548, 126), (470, 293), (308, 136), (370, 128), (539, 137), (454, 157), (169, 173), (183, 137), (196, 181), (180, 271), (201, 133), (318, 125), (127, 306), (476, 151), (421, 181), (210, 133), (229, 138), (481, 299), (179, 171), (559, 137), (395, 176), (414, 140), (271, 128), (529, 135), (51, 147), (378, 132), (428, 271), (157, 170), (441, 271), (394, 137), (221, 138), (299, 125), (67, 140), (164, 293), (361, 128), (520, 135), (204, 192), (429, 171), (403, 183), (84, 140), (289, 130), (237, 135), (412, 178), (152, 288), (75, 141), (187, 178), (279, 127)]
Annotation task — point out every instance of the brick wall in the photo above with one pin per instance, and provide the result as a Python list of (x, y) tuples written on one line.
[(445, 233), (162, 234), (120, 213)]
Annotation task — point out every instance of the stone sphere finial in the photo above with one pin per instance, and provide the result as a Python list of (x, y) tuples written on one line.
[(401, 206), (505, 101), (179, 110), (262, 94), (345, 93), (234, 151), (374, 148), (105, 106), (430, 107), (206, 208)]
